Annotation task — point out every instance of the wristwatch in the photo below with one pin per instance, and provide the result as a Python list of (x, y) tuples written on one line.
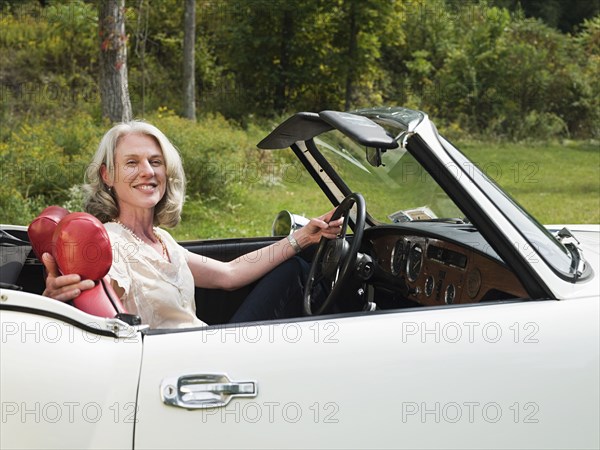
[(294, 243)]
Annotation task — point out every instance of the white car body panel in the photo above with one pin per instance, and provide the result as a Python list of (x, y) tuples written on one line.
[(511, 375), (74, 388)]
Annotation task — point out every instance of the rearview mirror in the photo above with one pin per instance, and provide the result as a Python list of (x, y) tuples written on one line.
[(374, 156)]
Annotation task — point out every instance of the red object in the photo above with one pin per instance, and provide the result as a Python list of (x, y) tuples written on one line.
[(42, 229), (100, 301), (80, 245)]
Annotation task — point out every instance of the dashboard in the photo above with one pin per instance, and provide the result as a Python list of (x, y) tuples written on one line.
[(437, 271)]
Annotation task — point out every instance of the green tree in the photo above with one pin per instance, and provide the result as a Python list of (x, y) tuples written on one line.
[(361, 28), (564, 15), (585, 112)]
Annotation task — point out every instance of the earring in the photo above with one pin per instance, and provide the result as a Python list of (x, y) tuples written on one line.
[(109, 189)]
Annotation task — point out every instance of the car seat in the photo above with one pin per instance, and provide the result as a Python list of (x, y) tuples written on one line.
[(80, 245), (13, 254)]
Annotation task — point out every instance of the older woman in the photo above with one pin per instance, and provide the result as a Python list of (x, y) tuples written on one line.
[(135, 185)]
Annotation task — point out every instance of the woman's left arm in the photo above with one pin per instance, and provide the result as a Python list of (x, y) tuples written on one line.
[(213, 274)]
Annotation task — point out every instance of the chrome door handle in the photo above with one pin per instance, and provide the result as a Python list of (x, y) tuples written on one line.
[(196, 391)]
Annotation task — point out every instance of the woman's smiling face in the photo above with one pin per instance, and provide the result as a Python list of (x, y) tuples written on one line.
[(140, 172)]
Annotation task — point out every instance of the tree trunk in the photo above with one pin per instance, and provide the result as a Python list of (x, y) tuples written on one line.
[(189, 79), (114, 90), (352, 50)]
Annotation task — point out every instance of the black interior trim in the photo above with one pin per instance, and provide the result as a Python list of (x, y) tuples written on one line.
[(447, 232), (227, 249), (300, 127), (360, 129), (215, 306)]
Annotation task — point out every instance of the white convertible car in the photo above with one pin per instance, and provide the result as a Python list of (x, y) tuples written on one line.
[(452, 319)]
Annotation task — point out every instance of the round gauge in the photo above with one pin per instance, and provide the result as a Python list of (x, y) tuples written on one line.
[(414, 262), (397, 257), (449, 294), (429, 285), (473, 283)]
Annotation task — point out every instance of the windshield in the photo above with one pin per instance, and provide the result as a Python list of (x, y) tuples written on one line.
[(399, 191)]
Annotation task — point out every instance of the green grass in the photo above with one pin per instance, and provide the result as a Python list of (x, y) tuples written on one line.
[(557, 183), (252, 210)]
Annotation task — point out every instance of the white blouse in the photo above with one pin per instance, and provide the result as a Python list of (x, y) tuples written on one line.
[(159, 291)]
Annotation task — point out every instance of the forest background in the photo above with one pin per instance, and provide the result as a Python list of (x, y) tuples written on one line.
[(513, 83)]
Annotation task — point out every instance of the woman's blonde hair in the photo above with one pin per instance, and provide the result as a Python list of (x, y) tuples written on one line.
[(102, 202)]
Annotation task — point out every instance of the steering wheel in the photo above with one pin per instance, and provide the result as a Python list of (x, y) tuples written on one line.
[(334, 262)]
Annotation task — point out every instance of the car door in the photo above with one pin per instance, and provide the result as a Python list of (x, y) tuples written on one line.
[(512, 374), (67, 379)]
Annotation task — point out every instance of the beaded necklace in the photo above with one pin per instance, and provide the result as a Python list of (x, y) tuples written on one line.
[(165, 253)]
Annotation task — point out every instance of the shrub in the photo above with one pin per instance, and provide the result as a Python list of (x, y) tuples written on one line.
[(217, 154), (41, 161)]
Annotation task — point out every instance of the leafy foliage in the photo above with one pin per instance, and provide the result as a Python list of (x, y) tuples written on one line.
[(41, 162), (481, 67), (475, 66)]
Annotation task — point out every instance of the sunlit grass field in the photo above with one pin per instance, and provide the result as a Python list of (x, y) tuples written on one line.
[(556, 182)]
